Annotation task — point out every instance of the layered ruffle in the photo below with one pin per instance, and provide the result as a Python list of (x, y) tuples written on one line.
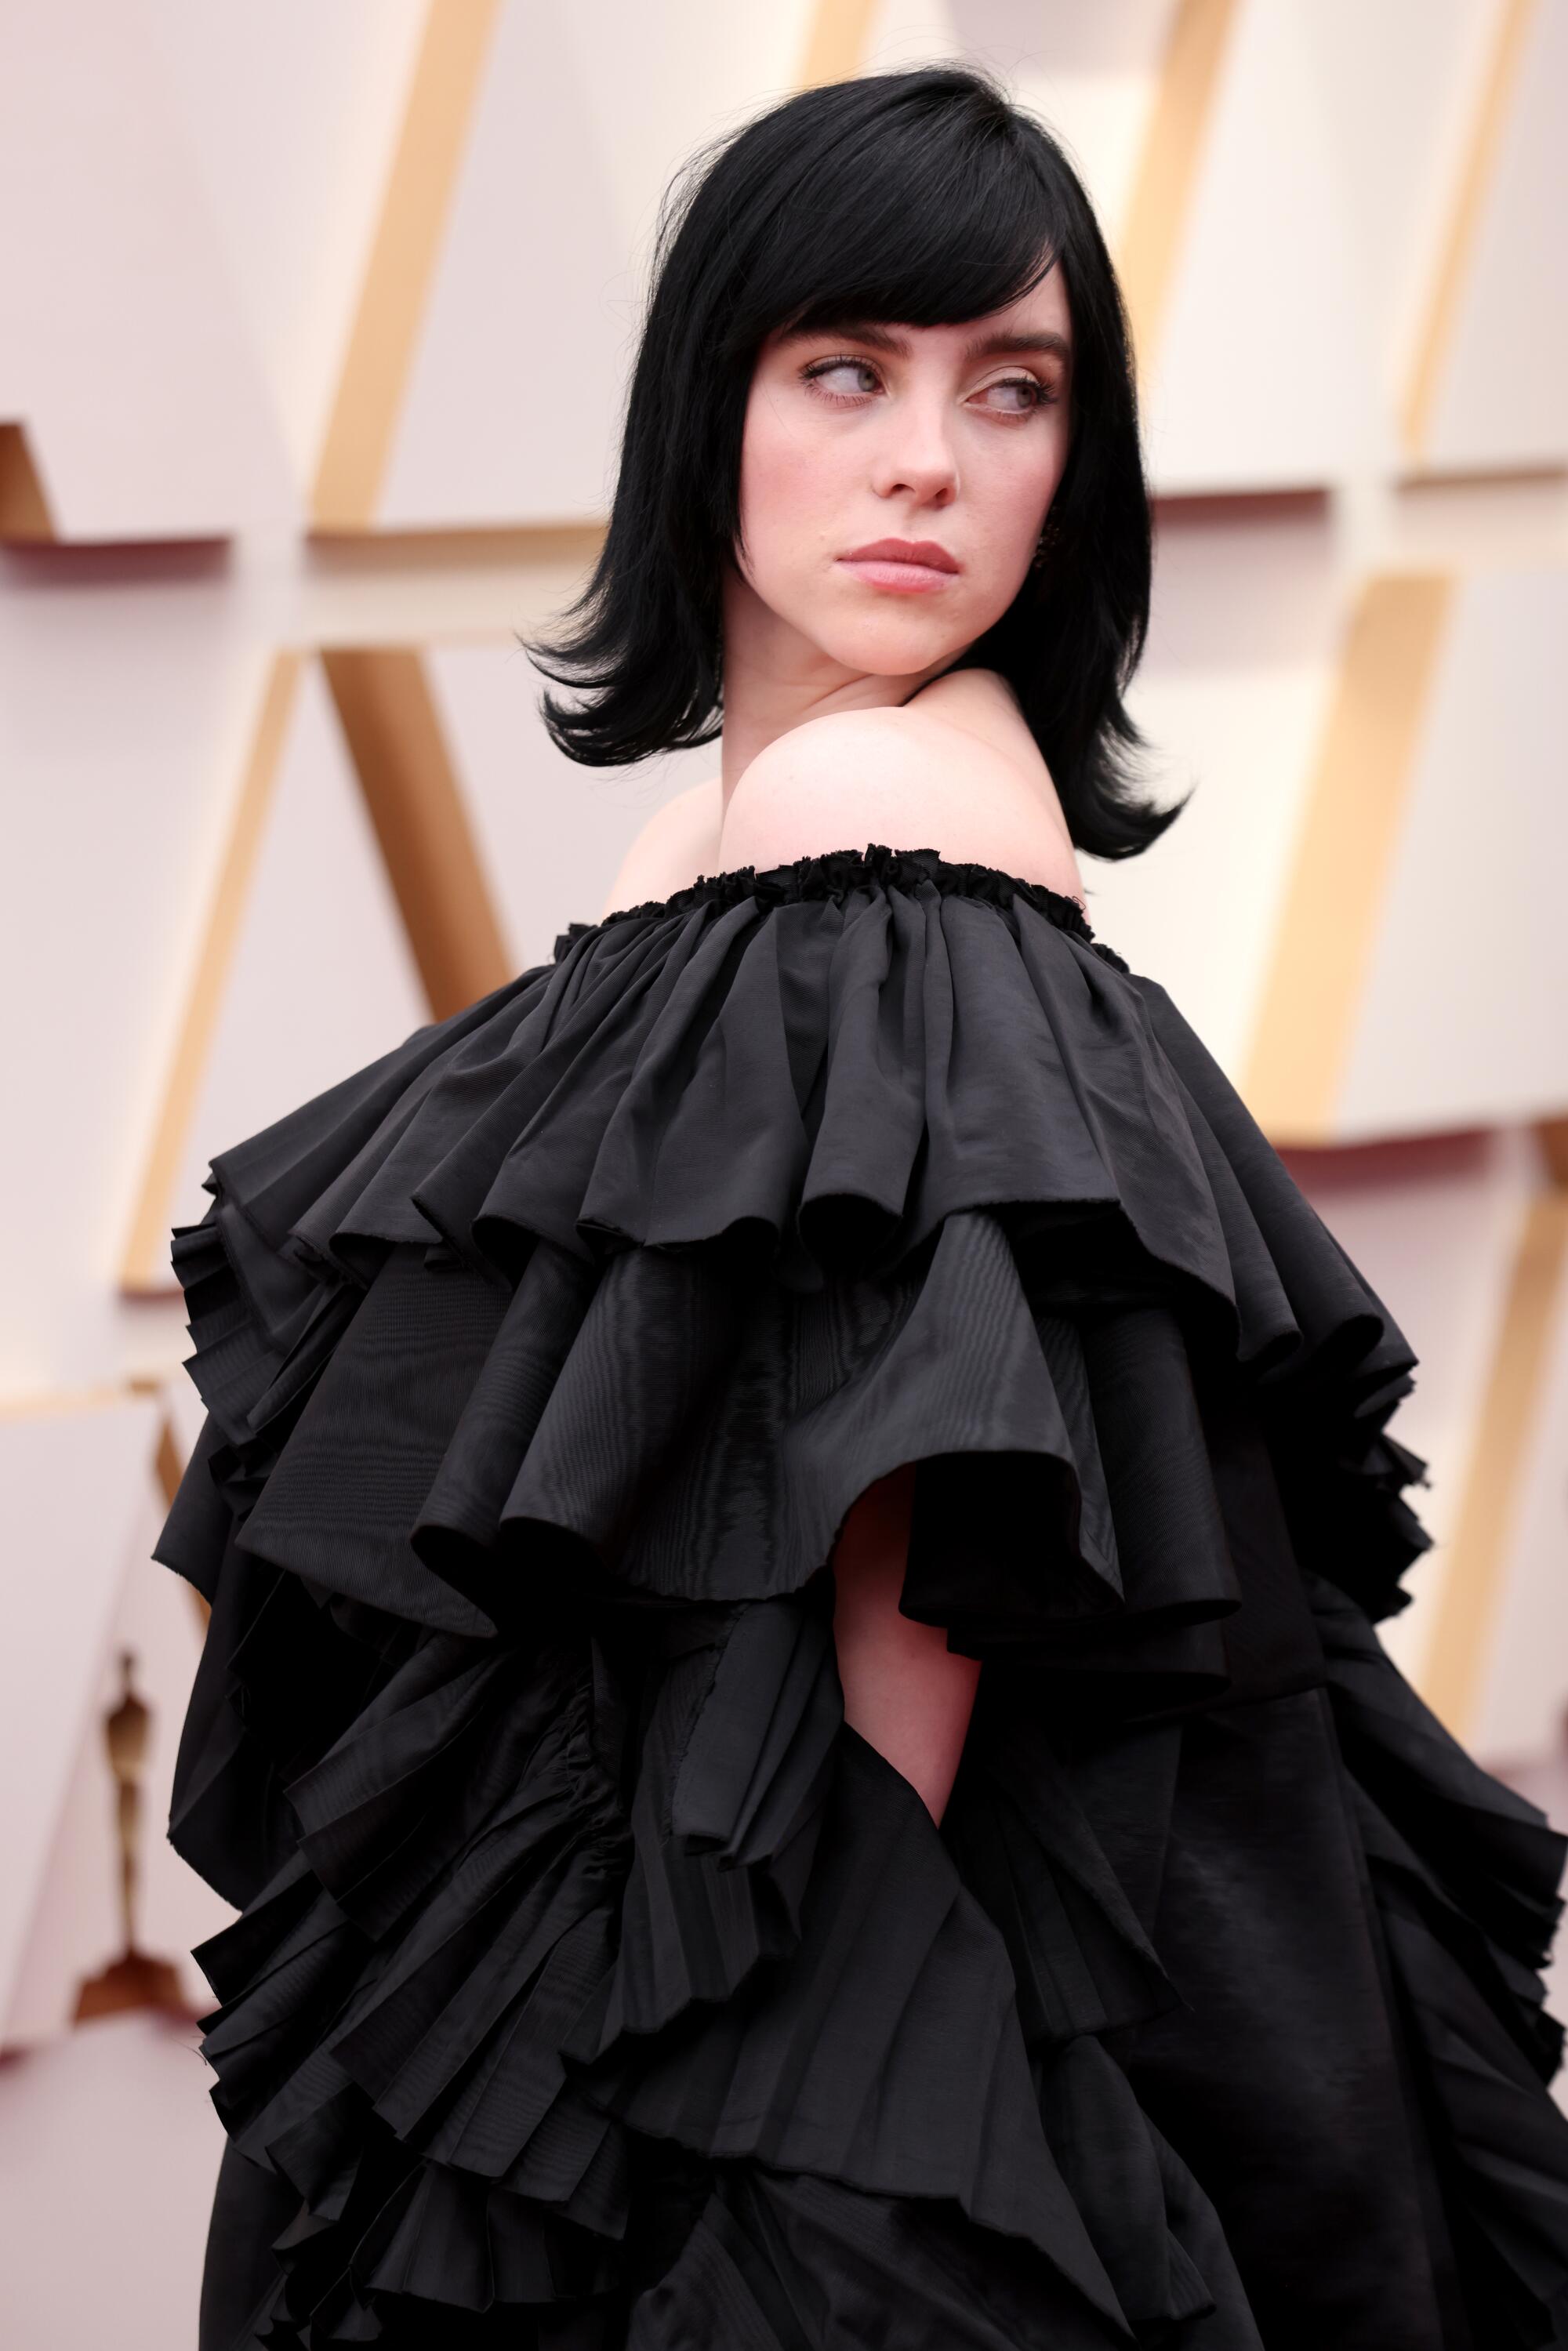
[(1466, 1878), (544, 1360), (864, 1163)]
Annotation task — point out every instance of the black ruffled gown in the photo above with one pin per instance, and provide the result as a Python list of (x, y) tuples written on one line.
[(596, 1985)]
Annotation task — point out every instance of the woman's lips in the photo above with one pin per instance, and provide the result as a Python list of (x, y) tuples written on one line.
[(909, 566)]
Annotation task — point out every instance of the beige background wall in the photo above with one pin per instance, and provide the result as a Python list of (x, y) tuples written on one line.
[(315, 328)]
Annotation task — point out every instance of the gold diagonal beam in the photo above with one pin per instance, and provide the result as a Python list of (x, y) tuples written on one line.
[(835, 42), (1496, 97), (23, 503), (1454, 1675), (1151, 240), (168, 1469), (400, 753), (404, 769), (358, 440), (1345, 855), (146, 1264)]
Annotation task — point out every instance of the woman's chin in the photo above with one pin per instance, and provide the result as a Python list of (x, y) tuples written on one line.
[(886, 649)]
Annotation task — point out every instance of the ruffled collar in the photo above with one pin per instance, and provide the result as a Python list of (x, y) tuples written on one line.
[(834, 873)]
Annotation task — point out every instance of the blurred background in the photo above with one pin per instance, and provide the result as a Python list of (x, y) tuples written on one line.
[(314, 325)]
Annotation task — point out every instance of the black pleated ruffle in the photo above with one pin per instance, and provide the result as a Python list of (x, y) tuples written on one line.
[(595, 1983)]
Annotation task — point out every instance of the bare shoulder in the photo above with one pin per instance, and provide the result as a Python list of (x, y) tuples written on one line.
[(679, 840), (945, 773), (833, 783)]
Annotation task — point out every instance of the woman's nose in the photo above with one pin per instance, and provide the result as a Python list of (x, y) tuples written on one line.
[(917, 457)]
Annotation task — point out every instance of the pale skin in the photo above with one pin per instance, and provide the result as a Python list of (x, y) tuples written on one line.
[(950, 440)]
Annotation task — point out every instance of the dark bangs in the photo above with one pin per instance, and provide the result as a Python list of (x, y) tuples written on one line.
[(915, 199), (895, 220)]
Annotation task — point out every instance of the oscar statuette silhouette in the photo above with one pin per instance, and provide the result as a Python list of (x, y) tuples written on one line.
[(136, 1978)]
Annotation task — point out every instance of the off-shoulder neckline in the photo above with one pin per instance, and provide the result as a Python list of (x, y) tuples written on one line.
[(833, 872)]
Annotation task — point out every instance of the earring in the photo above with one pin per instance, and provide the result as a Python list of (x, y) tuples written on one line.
[(1047, 540)]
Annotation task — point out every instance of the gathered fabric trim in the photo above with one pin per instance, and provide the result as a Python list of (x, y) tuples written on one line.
[(834, 873)]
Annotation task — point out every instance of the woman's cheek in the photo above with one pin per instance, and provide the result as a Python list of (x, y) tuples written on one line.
[(774, 483), (1014, 527)]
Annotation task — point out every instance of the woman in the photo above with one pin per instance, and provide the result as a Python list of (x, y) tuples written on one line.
[(794, 1500)]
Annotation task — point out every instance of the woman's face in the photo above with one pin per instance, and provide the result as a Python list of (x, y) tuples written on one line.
[(894, 480)]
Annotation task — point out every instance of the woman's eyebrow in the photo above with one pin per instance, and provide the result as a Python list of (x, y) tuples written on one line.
[(1043, 343), (853, 330)]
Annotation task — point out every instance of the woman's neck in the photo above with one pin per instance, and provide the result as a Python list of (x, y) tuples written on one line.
[(775, 680)]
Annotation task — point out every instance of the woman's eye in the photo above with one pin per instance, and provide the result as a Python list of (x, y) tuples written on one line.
[(844, 378), (1016, 395)]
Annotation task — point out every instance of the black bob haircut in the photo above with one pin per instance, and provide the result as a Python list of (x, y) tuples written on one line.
[(920, 198)]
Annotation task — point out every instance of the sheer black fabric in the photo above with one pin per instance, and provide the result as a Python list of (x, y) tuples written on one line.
[(595, 1984)]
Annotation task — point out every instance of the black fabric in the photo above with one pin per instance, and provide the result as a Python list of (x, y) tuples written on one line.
[(595, 1984)]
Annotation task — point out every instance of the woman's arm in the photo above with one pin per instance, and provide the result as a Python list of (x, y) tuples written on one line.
[(904, 1692)]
